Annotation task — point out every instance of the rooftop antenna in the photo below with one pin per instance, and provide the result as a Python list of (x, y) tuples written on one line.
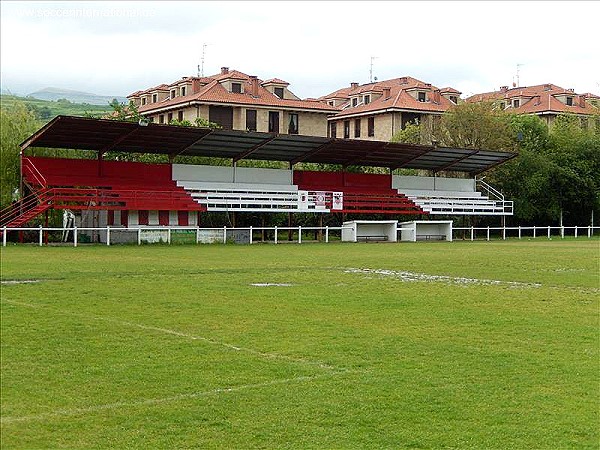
[(201, 65), (518, 68), (371, 71)]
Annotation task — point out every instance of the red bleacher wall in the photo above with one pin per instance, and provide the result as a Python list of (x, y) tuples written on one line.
[(341, 181)]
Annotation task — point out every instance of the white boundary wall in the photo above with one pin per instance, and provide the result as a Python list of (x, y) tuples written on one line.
[(415, 183), (224, 174)]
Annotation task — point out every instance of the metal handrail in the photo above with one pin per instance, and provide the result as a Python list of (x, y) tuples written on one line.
[(37, 175)]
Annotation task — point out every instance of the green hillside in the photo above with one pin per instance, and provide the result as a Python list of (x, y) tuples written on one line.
[(45, 110)]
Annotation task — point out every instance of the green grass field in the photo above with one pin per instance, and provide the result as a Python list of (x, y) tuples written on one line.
[(349, 346)]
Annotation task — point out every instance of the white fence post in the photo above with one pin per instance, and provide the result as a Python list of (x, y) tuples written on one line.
[(197, 234), (327, 234), (224, 235), (504, 232), (4, 237), (575, 230), (299, 234), (562, 232), (487, 237), (250, 234), (472, 232), (74, 236), (534, 231), (107, 235), (548, 232), (276, 234), (169, 235), (519, 231), (139, 236), (41, 236), (589, 232)]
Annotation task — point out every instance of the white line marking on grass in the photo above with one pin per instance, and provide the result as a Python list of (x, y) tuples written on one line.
[(157, 401), (251, 351), (271, 284), (413, 276), (19, 281)]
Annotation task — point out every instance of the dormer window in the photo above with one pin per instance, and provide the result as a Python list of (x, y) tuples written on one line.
[(516, 103), (569, 101), (421, 96), (354, 101), (154, 98), (173, 93), (331, 103), (278, 91), (502, 106), (454, 99), (236, 88), (143, 101), (182, 91), (367, 99)]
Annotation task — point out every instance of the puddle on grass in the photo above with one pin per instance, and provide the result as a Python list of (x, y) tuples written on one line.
[(423, 277), (19, 281), (271, 284)]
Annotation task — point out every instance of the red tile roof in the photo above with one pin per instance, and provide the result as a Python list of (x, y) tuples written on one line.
[(540, 99), (215, 92), (399, 97), (276, 81)]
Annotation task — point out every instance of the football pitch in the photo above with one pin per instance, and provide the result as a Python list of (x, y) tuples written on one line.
[(482, 345)]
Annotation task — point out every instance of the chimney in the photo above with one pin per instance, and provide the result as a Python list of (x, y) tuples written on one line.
[(582, 101), (254, 86), (354, 85), (386, 92), (196, 85), (224, 70), (503, 88), (404, 80), (547, 87), (437, 96)]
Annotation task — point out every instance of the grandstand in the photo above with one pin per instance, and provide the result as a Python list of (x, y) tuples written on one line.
[(139, 194)]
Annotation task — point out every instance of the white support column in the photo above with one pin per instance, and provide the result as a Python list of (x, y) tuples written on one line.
[(562, 232), (589, 233), (504, 232)]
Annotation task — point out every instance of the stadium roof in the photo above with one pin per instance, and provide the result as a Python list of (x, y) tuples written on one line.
[(102, 135)]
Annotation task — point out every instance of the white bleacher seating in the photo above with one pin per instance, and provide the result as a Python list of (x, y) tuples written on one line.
[(216, 189)]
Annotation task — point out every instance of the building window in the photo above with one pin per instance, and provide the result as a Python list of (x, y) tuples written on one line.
[(569, 101), (293, 125), (169, 117), (333, 130), (273, 122), (357, 128), (330, 103), (143, 101), (182, 91), (346, 129), (236, 88), (367, 99), (421, 96), (371, 126), (515, 103), (154, 98), (278, 91), (172, 93), (161, 118), (180, 116), (251, 120), (502, 106), (454, 99), (354, 101)]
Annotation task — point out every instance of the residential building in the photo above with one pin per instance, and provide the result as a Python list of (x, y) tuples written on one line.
[(545, 101), (235, 101), (376, 111)]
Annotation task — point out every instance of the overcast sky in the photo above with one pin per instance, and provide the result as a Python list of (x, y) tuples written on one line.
[(115, 48)]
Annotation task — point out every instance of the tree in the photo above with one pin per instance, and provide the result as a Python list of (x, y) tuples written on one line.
[(16, 124)]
